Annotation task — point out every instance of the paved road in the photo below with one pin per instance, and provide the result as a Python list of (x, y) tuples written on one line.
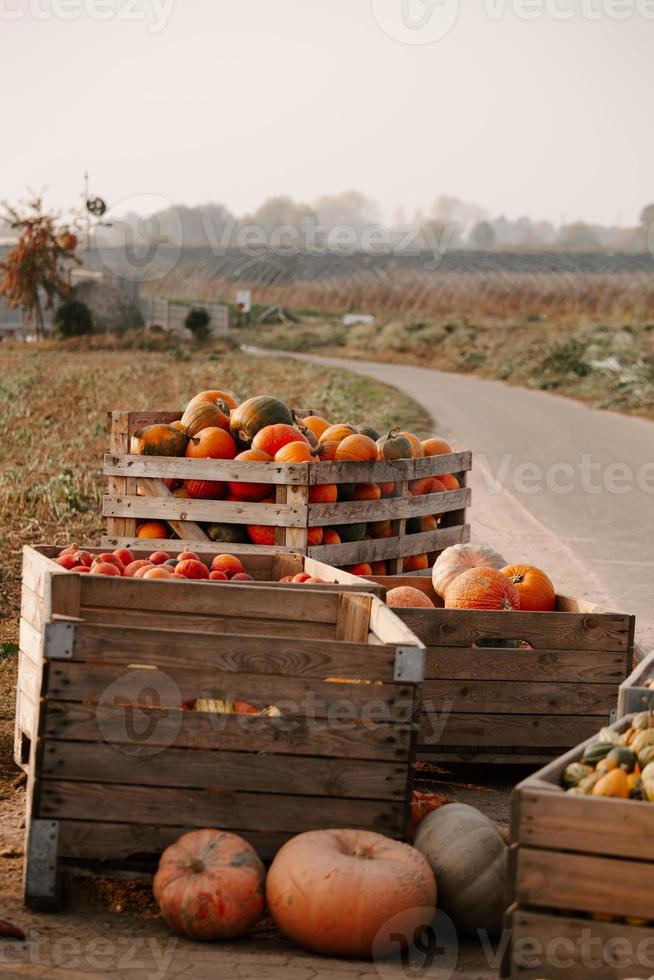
[(555, 483)]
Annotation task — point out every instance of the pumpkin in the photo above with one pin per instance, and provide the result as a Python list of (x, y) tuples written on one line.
[(205, 489), (295, 452), (202, 415), (227, 533), (466, 852), (613, 783), (273, 437), (366, 491), (229, 564), (356, 447), (323, 493), (211, 443), (331, 536), (367, 430), (336, 433), (308, 435), (379, 529), (435, 447), (215, 397), (482, 588), (394, 446), (405, 596), (261, 534), (153, 529), (420, 525), (416, 446), (255, 414), (379, 568), (210, 885), (418, 488), (449, 482), (415, 563), (333, 891), (535, 589), (241, 490), (388, 489), (352, 532), (325, 452), (362, 568), (459, 558), (315, 536), (314, 423), (158, 440)]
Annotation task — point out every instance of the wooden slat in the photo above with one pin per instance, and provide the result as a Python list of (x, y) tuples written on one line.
[(554, 666), (208, 547), (477, 730), (222, 771), (119, 484), (297, 500), (254, 655), (186, 530), (30, 642), (634, 695), (74, 681), (353, 620), (583, 883), (385, 548), (389, 628), (352, 512), (564, 822), (233, 733), (204, 808), (170, 467), (569, 948), (389, 472), (156, 619), (94, 839), (522, 697), (31, 608), (30, 677), (204, 598), (182, 510), (548, 630)]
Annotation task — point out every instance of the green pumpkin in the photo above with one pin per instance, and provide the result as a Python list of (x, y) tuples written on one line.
[(595, 752), (623, 757), (255, 414), (367, 430), (227, 533), (351, 532)]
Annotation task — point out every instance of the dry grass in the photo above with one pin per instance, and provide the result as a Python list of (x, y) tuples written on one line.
[(53, 405)]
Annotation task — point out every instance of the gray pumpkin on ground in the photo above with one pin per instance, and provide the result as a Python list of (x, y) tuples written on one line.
[(469, 859)]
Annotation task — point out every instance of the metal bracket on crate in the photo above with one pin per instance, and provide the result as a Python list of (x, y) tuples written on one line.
[(59, 641), (613, 716), (409, 665), (41, 863)]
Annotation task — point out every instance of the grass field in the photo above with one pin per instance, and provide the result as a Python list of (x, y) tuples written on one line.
[(53, 404)]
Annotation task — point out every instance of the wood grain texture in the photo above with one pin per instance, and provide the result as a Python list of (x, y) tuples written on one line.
[(185, 530), (178, 509), (235, 627), (477, 730), (389, 472), (230, 733), (551, 666), (394, 508), (207, 808), (386, 548), (522, 697), (180, 468), (120, 484)]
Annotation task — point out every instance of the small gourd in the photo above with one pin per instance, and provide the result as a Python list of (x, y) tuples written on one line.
[(641, 740), (586, 785), (574, 773), (614, 783), (610, 735), (595, 752), (623, 758), (646, 755)]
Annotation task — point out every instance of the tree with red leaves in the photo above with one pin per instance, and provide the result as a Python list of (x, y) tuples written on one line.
[(33, 268)]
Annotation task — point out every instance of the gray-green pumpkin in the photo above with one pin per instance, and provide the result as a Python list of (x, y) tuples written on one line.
[(469, 859)]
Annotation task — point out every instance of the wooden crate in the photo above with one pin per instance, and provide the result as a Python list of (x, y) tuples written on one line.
[(572, 858), (292, 514), (524, 705), (637, 692), (118, 770), (39, 566)]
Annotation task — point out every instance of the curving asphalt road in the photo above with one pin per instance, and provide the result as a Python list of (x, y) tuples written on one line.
[(555, 483)]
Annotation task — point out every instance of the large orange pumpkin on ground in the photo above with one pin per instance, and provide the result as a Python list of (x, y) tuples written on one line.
[(459, 558), (333, 891), (210, 885), (534, 587), (482, 588)]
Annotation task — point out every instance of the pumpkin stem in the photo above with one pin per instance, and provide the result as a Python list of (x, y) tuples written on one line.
[(196, 865)]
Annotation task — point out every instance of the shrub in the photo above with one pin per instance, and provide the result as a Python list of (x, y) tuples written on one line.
[(197, 321), (73, 319)]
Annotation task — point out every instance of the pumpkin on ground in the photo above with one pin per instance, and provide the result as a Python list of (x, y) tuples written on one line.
[(459, 558), (158, 440), (482, 588), (534, 587), (255, 414), (407, 597), (332, 891), (210, 885), (466, 852)]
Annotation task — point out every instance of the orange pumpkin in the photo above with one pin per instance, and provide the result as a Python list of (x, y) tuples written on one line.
[(336, 433), (210, 885), (387, 489), (211, 443), (240, 490), (214, 396), (325, 452), (482, 588), (315, 536), (153, 529), (205, 489), (202, 415), (273, 437), (295, 452), (314, 423), (158, 440), (421, 486), (379, 567), (449, 482), (261, 534), (362, 568), (416, 446), (331, 536), (459, 558), (405, 596), (379, 529), (323, 493), (435, 447), (415, 563), (334, 891), (366, 491), (356, 447), (534, 587)]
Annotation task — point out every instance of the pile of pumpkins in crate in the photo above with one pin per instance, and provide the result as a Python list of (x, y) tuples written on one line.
[(264, 429), (617, 764)]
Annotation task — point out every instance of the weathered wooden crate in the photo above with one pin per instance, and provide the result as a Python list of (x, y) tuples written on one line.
[(291, 515), (516, 705), (637, 692), (36, 607), (574, 858), (118, 769)]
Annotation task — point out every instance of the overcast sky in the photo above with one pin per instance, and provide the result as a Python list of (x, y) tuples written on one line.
[(236, 100)]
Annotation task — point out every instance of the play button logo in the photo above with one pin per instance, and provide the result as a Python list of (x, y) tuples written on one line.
[(415, 21)]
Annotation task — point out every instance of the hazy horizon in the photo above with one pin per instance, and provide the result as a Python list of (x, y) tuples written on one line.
[(235, 101)]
